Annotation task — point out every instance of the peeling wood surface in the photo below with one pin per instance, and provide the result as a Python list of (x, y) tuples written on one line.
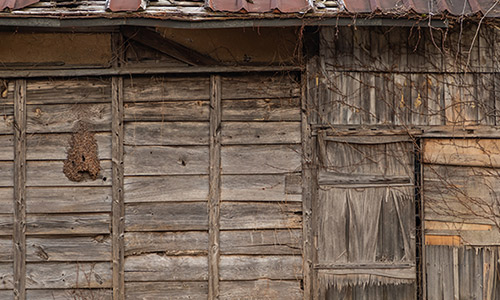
[(169, 243)]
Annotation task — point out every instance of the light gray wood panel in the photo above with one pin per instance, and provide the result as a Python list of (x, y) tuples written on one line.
[(287, 109), (256, 188), (68, 199), (170, 243), (261, 289), (166, 188), (264, 242), (56, 91), (6, 200), (64, 117), (154, 267), (50, 173), (167, 111), (65, 294), (55, 146), (261, 159), (6, 248), (6, 174), (6, 276), (259, 86), (53, 275), (260, 215), (96, 248), (6, 122), (166, 216), (237, 133), (97, 223), (166, 160), (281, 267), (6, 294), (158, 88), (6, 223), (166, 133), (166, 290), (6, 147)]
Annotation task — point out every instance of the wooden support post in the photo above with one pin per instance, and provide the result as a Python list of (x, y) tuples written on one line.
[(19, 237), (214, 194), (118, 206)]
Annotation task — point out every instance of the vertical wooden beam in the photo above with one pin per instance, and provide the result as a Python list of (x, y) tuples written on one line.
[(456, 281), (118, 206), (214, 194), (19, 237)]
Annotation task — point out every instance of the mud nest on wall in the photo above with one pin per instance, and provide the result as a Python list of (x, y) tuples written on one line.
[(83, 161)]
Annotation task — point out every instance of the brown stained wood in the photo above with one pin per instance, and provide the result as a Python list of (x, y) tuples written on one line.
[(261, 159), (64, 275), (6, 277), (166, 216), (19, 233), (285, 109), (55, 146), (152, 188), (282, 267), (56, 224), (167, 111), (6, 122), (68, 199), (463, 152), (445, 240), (6, 197), (170, 243), (259, 86), (166, 133), (260, 216), (259, 188), (60, 91), (64, 117), (95, 248), (159, 88), (154, 267), (65, 294), (166, 290), (6, 147), (261, 289), (237, 133), (49, 173), (453, 226), (166, 160), (261, 242)]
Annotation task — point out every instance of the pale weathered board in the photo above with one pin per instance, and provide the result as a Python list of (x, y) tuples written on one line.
[(6, 249), (156, 267), (261, 242), (167, 111), (261, 159), (6, 147), (144, 89), (166, 188), (166, 160), (261, 289), (50, 173), (96, 223), (6, 174), (6, 224), (237, 133), (287, 109), (80, 249), (65, 294), (166, 133), (170, 243), (260, 215), (6, 276), (462, 152), (166, 290), (281, 267), (58, 91), (162, 216), (6, 122), (6, 199), (68, 199), (257, 188), (259, 86)]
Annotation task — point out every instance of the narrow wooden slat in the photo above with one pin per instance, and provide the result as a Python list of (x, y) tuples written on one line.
[(6, 224), (6, 250), (68, 199), (166, 290), (262, 86), (56, 224), (167, 111), (234, 133), (65, 294), (258, 187), (287, 109), (60, 91), (154, 267), (261, 289), (166, 133), (159, 88), (261, 242), (118, 206), (7, 278), (280, 267), (260, 215), (6, 147), (214, 195), (170, 243), (97, 248), (49, 173), (6, 196), (19, 237)]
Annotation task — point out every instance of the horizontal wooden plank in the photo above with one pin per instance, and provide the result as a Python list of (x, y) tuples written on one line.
[(166, 133), (237, 133), (157, 88), (256, 188), (6, 294), (408, 273), (55, 146), (464, 152), (436, 225), (50, 173), (6, 224), (7, 200), (444, 240), (166, 290), (68, 199), (261, 159), (260, 86), (57, 91), (54, 275), (97, 248), (6, 174), (293, 184), (6, 276), (282, 267), (154, 267), (287, 109), (6, 146), (169, 243), (261, 289), (65, 117), (260, 215), (166, 160), (167, 111), (332, 178), (6, 123), (253, 242), (97, 223), (369, 139), (166, 216), (65, 294), (6, 247)]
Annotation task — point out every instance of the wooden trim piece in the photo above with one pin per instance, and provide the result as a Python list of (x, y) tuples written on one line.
[(19, 237), (215, 185), (118, 205), (443, 240)]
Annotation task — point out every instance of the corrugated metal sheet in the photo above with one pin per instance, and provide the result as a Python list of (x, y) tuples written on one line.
[(15, 4), (260, 6)]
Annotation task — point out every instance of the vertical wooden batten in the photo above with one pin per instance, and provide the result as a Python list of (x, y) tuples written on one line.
[(118, 206), (19, 237), (215, 186)]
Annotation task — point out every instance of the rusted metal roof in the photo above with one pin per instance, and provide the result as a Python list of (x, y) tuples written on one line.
[(125, 5), (15, 4), (260, 6)]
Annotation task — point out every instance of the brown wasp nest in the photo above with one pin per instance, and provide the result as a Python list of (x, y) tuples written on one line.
[(83, 161)]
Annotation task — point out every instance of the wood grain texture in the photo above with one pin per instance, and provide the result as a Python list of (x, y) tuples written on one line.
[(287, 109), (65, 294), (258, 188), (6, 174), (261, 242), (260, 216), (6, 249), (169, 243), (166, 290), (96, 248), (261, 85), (60, 91), (261, 289), (463, 152), (49, 173), (167, 111), (7, 277), (237, 133), (282, 267), (6, 224), (96, 223), (6, 147), (68, 199), (158, 88), (166, 133), (6, 200)]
